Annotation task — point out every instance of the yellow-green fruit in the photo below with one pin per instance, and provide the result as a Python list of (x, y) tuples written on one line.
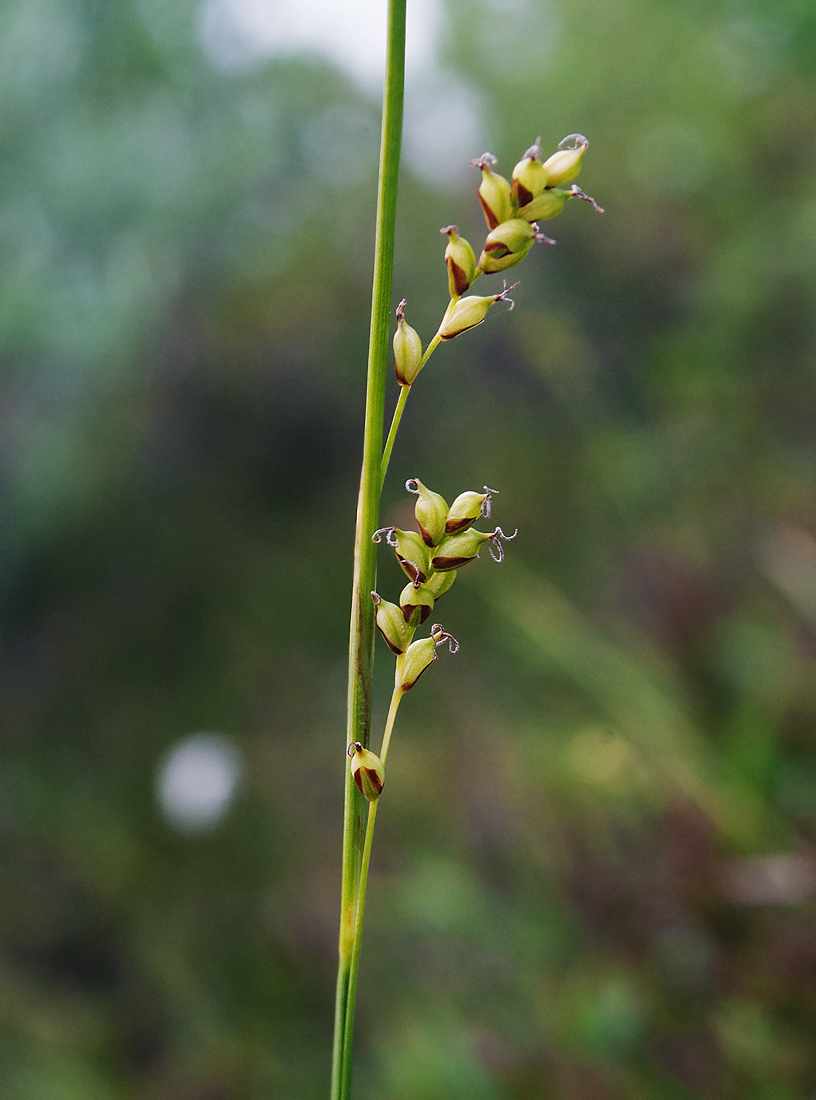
[(494, 193), (439, 583), (368, 771), (417, 603), (470, 312), (529, 176), (412, 554), (506, 245), (390, 622), (548, 204), (464, 511), (460, 261), (431, 511), (413, 662), (407, 349), (458, 550), (565, 165)]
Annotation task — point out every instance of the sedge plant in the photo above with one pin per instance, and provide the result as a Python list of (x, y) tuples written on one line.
[(446, 539)]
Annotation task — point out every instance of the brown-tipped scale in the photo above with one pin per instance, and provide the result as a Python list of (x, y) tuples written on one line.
[(466, 509), (416, 601), (431, 511), (419, 655), (529, 176), (460, 261), (368, 771), (407, 349), (565, 165), (507, 245), (412, 554), (390, 621), (494, 192)]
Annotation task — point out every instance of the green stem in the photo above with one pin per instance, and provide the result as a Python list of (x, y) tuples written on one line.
[(396, 698), (400, 409), (392, 431), (361, 633), (354, 969)]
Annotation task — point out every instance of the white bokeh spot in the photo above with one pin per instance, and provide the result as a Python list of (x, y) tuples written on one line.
[(196, 781)]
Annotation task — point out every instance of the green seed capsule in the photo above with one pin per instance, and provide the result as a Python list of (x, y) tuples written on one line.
[(419, 655), (417, 603), (368, 771), (507, 245), (529, 176), (439, 583), (466, 509), (469, 312), (412, 554), (494, 192), (548, 204), (458, 550), (460, 261), (407, 349), (390, 622), (565, 165), (431, 511)]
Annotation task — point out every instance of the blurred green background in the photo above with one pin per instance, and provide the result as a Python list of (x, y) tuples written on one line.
[(594, 874)]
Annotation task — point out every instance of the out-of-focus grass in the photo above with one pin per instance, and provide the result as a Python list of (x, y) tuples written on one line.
[(596, 873)]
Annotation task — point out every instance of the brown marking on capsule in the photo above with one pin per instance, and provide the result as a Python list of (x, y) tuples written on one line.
[(389, 643), (409, 612), (454, 525), (459, 331), (373, 779), (411, 569), (426, 537), (523, 195), (496, 249), (407, 687), (442, 564), (490, 217), (459, 276)]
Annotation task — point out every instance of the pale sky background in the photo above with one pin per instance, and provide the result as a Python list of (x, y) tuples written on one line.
[(443, 127)]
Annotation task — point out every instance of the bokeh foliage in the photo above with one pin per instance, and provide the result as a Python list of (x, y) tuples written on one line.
[(595, 871)]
